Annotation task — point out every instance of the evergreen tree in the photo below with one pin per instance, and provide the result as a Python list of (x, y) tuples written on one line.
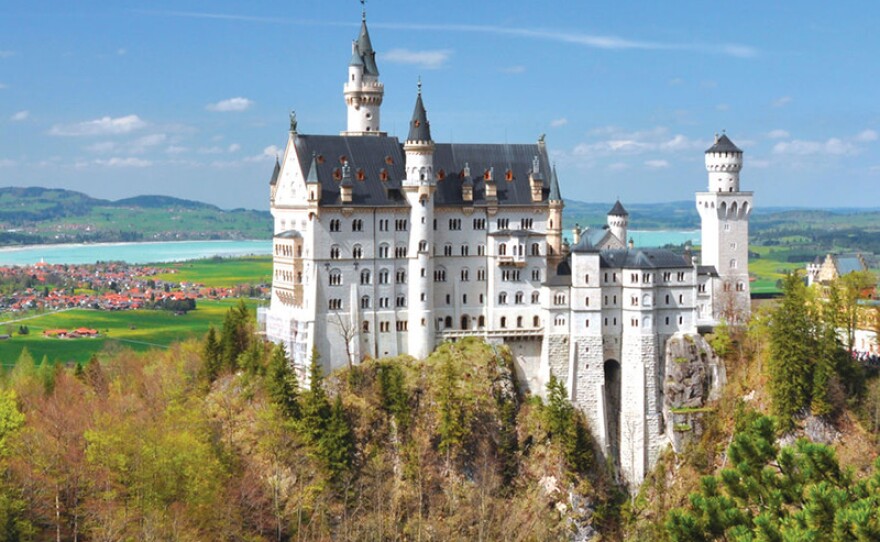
[(251, 361), (829, 352), (95, 377), (315, 409), (281, 383), (393, 394), (568, 427), (212, 353), (337, 441), (790, 370), (452, 428), (236, 335)]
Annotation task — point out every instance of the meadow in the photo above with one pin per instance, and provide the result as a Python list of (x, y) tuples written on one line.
[(139, 330), (221, 272)]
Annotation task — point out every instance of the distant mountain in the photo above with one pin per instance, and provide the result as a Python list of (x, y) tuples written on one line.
[(51, 215)]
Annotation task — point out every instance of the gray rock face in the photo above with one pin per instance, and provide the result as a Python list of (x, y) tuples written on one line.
[(694, 376)]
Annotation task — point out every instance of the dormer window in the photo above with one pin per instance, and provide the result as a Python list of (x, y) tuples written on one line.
[(383, 175), (360, 174), (343, 159), (508, 175), (319, 159), (337, 174), (389, 160), (441, 175)]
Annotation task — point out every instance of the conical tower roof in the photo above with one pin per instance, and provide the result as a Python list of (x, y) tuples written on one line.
[(723, 144), (618, 210), (419, 127), (274, 180), (365, 49), (555, 195), (312, 177)]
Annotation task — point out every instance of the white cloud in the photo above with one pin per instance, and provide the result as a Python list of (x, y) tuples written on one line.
[(430, 60), (102, 126), (20, 116), (866, 136), (102, 147), (121, 52), (758, 163), (618, 166), (6, 162), (176, 149), (556, 123), (3, 86), (268, 152), (235, 147), (619, 142), (675, 81), (123, 162), (513, 70), (657, 164), (778, 134), (147, 142), (833, 146), (782, 102), (6, 54), (230, 105)]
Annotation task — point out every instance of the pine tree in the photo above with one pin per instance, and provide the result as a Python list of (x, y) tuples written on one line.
[(790, 370), (828, 352), (236, 335), (251, 361), (315, 408), (337, 441), (211, 355), (281, 383)]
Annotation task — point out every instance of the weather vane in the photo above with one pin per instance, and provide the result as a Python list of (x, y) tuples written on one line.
[(364, 9), (293, 121)]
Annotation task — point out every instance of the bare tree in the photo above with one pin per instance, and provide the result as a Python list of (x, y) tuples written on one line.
[(348, 332)]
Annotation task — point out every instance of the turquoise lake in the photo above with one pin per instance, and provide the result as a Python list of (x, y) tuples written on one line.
[(190, 250)]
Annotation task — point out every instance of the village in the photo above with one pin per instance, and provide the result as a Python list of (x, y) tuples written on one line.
[(105, 286)]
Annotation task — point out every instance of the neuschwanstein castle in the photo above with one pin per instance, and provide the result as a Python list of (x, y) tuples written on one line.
[(384, 247)]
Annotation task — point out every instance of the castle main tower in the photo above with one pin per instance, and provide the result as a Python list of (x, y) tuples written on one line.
[(724, 212), (363, 91), (419, 187)]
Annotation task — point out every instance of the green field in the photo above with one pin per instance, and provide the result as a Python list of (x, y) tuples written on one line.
[(222, 272), (767, 269), (138, 330)]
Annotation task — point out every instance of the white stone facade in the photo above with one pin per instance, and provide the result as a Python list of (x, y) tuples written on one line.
[(383, 249)]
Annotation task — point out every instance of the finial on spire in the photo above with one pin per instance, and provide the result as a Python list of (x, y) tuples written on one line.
[(293, 121), (420, 85), (363, 10)]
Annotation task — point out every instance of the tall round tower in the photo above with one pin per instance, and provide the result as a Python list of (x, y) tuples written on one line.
[(724, 212), (724, 161), (618, 221), (418, 187), (363, 92)]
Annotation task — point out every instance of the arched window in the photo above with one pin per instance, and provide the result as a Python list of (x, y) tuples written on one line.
[(365, 276), (334, 252), (502, 249), (536, 321), (481, 321), (503, 321), (357, 252), (448, 322), (465, 274), (335, 277), (423, 246), (447, 249), (383, 250), (536, 298), (536, 249), (400, 276), (502, 298), (519, 321), (365, 302)]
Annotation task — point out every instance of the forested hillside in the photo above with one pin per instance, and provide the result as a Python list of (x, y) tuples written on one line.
[(216, 441), (42, 215)]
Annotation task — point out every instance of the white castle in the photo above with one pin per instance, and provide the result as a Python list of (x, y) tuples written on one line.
[(383, 248)]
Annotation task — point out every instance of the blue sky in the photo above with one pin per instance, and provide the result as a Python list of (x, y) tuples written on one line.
[(191, 98)]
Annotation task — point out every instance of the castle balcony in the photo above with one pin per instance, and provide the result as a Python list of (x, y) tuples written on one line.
[(455, 334), (511, 261)]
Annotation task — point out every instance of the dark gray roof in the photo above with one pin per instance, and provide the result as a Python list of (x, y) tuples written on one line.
[(356, 59), (312, 177), (369, 157), (555, 195), (365, 48), (274, 180), (591, 238), (707, 270), (723, 144), (419, 127), (289, 234), (618, 210), (643, 258), (515, 233)]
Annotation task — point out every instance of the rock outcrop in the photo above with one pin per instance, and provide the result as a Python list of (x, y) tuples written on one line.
[(693, 376)]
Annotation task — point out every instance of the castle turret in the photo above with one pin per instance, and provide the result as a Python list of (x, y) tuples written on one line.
[(555, 254), (418, 187), (363, 91), (618, 220), (312, 184), (724, 213), (536, 181)]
